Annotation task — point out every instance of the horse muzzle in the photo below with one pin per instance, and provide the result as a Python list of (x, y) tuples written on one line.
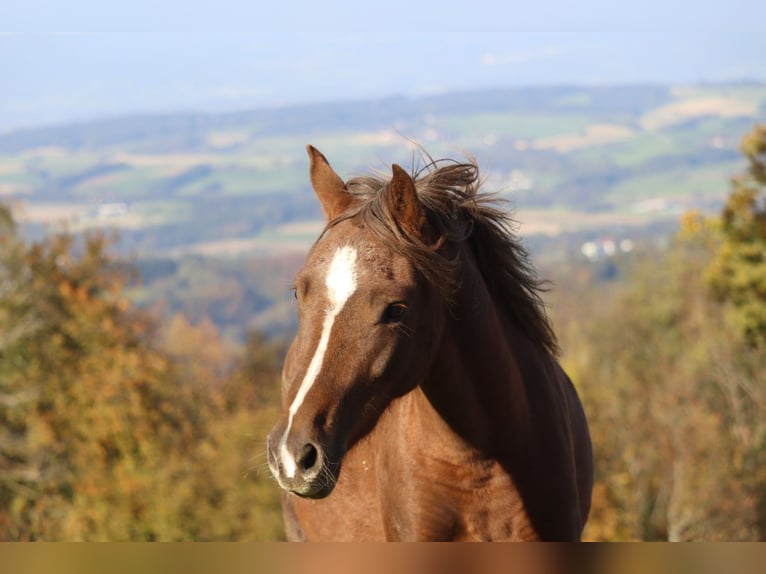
[(301, 468)]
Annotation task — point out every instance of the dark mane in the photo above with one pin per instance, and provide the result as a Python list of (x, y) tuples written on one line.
[(457, 212)]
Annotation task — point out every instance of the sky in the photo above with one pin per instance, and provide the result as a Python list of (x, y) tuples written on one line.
[(76, 60)]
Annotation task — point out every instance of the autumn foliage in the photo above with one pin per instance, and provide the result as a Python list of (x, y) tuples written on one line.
[(672, 368), (113, 427)]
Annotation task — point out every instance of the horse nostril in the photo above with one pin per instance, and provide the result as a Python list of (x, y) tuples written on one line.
[(309, 457)]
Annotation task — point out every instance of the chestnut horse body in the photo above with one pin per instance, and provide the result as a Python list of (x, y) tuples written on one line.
[(422, 395)]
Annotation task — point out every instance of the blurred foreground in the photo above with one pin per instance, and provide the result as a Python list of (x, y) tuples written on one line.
[(378, 559)]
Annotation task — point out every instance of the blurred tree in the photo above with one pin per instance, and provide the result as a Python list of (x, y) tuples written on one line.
[(110, 427), (16, 324), (232, 496), (671, 367), (662, 371), (100, 401), (738, 273), (255, 382)]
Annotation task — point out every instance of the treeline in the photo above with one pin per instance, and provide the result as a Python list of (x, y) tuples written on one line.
[(114, 425), (672, 368), (237, 295)]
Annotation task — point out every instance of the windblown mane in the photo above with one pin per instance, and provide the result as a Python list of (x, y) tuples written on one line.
[(456, 212)]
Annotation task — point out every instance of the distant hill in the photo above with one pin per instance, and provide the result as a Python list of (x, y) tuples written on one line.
[(588, 167), (570, 157), (192, 129)]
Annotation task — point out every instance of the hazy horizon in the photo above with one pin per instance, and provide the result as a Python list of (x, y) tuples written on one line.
[(82, 60)]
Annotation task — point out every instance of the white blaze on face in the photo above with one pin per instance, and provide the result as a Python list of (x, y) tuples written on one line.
[(341, 284)]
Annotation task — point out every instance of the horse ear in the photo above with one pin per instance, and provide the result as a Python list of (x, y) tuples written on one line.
[(327, 184), (404, 203)]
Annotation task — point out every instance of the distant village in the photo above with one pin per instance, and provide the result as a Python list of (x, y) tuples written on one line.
[(605, 247)]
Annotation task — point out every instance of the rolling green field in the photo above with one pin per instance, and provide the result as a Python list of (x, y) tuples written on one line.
[(218, 212), (229, 185)]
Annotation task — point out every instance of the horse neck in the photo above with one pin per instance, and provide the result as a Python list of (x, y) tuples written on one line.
[(476, 383)]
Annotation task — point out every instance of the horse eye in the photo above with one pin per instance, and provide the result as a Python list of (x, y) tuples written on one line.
[(394, 312)]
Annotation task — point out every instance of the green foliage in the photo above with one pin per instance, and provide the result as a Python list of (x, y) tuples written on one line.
[(114, 429), (738, 274)]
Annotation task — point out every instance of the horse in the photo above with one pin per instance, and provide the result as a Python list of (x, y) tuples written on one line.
[(422, 395)]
